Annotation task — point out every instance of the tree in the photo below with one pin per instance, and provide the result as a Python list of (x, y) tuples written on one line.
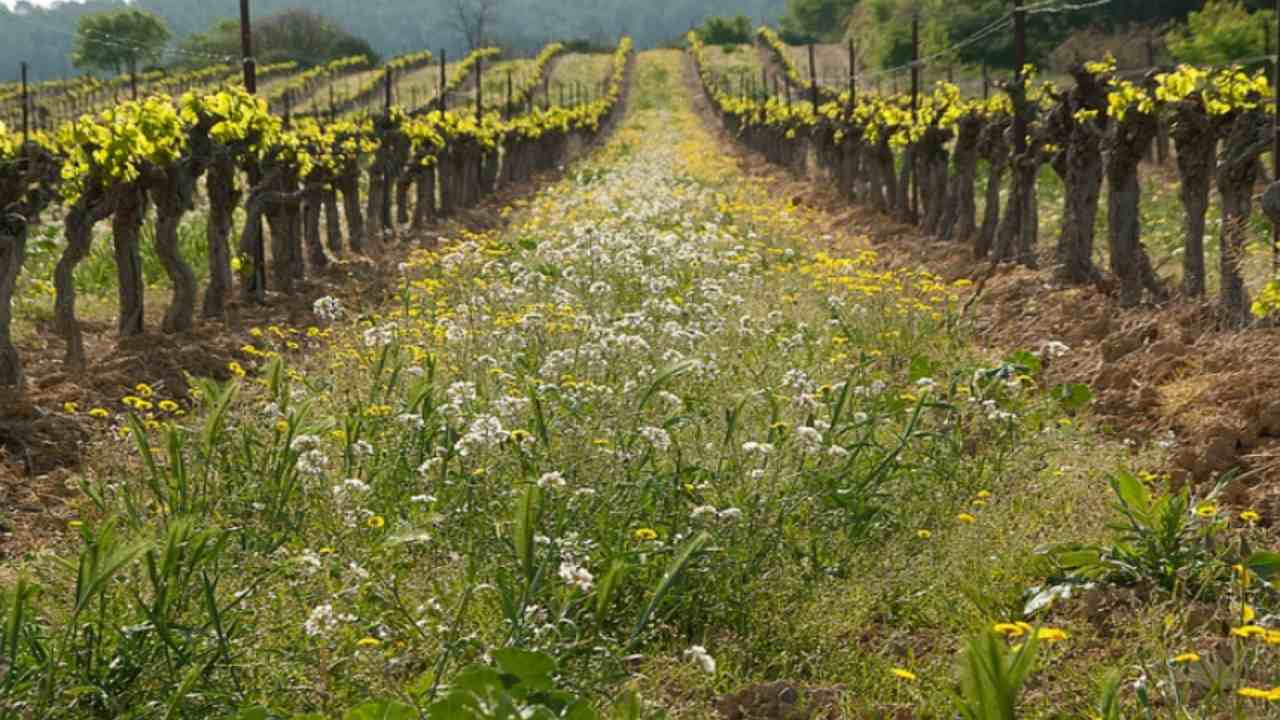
[(474, 20), (1222, 33), (717, 30), (119, 40), (814, 19), (303, 36)]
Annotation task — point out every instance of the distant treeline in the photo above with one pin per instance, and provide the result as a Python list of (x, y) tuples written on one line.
[(44, 36)]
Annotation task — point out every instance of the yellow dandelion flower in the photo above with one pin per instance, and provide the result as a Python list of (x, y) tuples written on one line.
[(144, 390), (1250, 517), (70, 408), (924, 534), (966, 518), (168, 406), (1256, 693), (1050, 635), (235, 369), (904, 674), (984, 494), (376, 522), (1011, 630), (1186, 657), (645, 534), (1207, 510), (1249, 631), (369, 642), (99, 413)]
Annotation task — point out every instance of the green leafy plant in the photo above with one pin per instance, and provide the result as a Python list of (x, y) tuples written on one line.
[(992, 676)]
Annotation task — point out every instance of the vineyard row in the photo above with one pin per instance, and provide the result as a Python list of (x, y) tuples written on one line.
[(919, 161), (372, 175)]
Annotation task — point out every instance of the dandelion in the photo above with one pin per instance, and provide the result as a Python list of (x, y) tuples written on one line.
[(704, 660), (1050, 635), (70, 408), (966, 518), (1186, 657), (235, 369), (924, 534), (903, 674), (1207, 510), (1249, 631), (1012, 630), (368, 642), (144, 390), (645, 534), (99, 413), (1259, 694), (1250, 516), (376, 522), (168, 406), (984, 495)]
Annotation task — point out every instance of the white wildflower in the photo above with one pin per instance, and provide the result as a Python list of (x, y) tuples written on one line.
[(704, 660)]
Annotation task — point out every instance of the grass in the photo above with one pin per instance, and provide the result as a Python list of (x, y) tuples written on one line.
[(647, 438), (589, 69)]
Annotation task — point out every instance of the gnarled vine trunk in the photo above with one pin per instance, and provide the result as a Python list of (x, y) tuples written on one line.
[(1195, 139), (172, 194), (91, 208), (224, 196), (332, 222), (126, 234), (349, 185), (960, 216), (1129, 260), (312, 206), (1238, 172), (13, 252), (995, 148)]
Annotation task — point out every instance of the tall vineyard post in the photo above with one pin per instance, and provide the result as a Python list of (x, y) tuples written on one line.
[(813, 77), (915, 110), (1275, 142), (251, 86), (26, 107), (444, 81)]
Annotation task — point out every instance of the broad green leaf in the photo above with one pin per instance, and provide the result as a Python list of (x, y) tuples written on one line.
[(527, 665), (1264, 564), (1072, 397)]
